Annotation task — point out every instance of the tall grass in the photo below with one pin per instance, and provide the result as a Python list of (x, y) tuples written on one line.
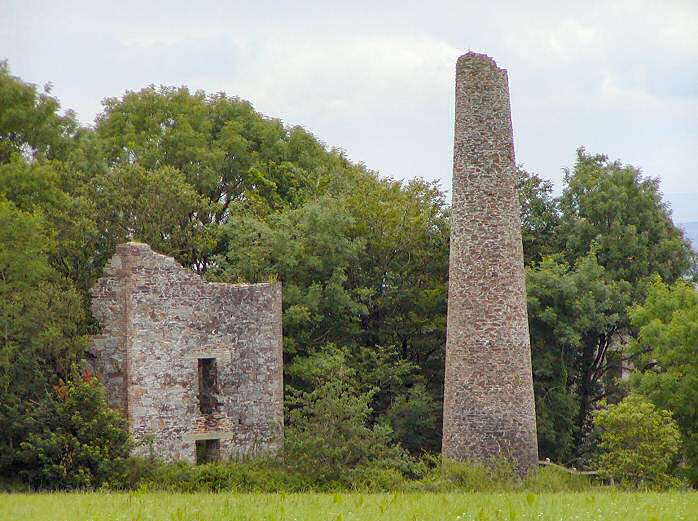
[(357, 506)]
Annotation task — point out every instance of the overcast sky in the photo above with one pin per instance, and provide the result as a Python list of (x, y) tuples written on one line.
[(376, 78)]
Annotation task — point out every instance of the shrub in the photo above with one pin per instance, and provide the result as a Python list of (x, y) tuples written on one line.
[(260, 475), (638, 442), (414, 417), (474, 476), (553, 479), (329, 439), (376, 478), (78, 442), (444, 475)]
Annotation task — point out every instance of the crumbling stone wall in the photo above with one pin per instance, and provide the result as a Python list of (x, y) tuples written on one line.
[(159, 321), (489, 407)]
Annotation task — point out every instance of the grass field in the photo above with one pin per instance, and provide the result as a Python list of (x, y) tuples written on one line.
[(356, 506)]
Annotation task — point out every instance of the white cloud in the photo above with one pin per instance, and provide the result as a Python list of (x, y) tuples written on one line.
[(562, 42), (345, 75)]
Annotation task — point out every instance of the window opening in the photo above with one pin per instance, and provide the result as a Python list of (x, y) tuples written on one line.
[(208, 385)]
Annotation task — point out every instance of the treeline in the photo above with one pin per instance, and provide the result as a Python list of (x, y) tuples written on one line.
[(363, 260)]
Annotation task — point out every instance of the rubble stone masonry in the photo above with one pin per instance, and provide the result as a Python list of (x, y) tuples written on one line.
[(489, 407), (163, 329)]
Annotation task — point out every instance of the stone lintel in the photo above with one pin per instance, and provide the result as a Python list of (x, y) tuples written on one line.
[(196, 355), (216, 435)]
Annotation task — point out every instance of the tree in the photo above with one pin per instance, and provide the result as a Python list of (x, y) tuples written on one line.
[(622, 212), (312, 252), (415, 418), (329, 438), (404, 269), (666, 354), (365, 269), (238, 160), (154, 206), (614, 234), (30, 125), (40, 322), (638, 443), (574, 313), (78, 441), (540, 216), (69, 218)]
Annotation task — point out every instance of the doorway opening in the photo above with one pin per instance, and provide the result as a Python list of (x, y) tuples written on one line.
[(208, 451)]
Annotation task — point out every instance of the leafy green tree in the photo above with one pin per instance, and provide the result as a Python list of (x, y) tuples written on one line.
[(574, 313), (540, 216), (312, 252), (36, 146), (622, 212), (237, 159), (666, 354), (78, 440), (154, 206), (404, 268), (578, 307), (392, 382), (415, 417), (40, 317), (364, 269), (69, 218), (638, 443), (329, 438), (30, 125)]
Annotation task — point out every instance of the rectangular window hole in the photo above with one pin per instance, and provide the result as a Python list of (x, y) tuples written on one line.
[(208, 451), (208, 385)]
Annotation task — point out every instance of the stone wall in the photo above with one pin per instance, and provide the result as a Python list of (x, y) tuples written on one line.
[(158, 321), (488, 403)]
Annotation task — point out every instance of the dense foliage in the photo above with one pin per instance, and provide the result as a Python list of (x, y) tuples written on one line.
[(639, 443), (612, 235), (666, 354), (363, 260), (78, 441)]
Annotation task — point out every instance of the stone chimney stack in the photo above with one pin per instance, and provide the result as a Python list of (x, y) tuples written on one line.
[(489, 408)]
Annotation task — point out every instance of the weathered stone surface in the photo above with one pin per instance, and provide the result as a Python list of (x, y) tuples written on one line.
[(488, 403), (158, 320)]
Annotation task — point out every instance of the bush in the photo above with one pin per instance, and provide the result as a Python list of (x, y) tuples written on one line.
[(473, 476), (639, 444), (78, 442), (554, 479), (444, 475), (261, 475), (498, 476), (271, 475), (414, 417), (329, 439), (376, 478)]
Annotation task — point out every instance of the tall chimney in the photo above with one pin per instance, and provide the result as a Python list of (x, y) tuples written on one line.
[(489, 409)]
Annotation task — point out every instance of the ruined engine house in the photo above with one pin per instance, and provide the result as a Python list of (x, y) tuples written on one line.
[(196, 367)]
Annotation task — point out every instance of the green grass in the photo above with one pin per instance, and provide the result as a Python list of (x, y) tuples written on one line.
[(139, 506)]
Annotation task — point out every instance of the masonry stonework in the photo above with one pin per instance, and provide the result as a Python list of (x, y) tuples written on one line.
[(489, 407), (163, 330)]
